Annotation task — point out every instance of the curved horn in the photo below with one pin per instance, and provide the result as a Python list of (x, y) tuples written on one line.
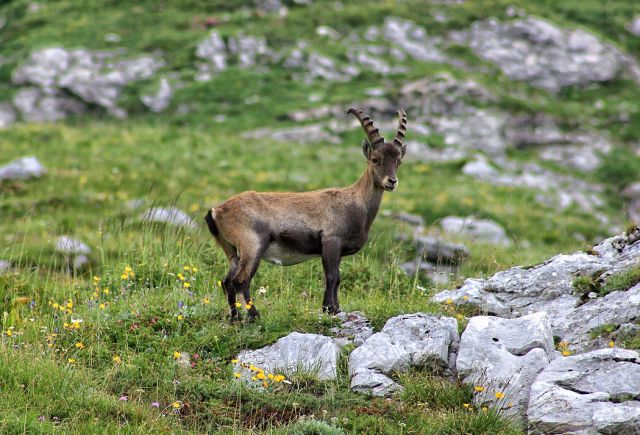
[(367, 125), (402, 130)]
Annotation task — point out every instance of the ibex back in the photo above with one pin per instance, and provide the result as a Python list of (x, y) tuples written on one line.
[(289, 228)]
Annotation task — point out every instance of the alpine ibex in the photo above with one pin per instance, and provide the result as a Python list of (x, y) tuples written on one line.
[(289, 228)]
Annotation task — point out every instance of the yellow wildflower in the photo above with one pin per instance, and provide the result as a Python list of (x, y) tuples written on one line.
[(176, 355), (499, 395), (465, 297), (55, 306), (194, 269), (9, 333), (124, 276), (466, 405), (102, 306), (116, 359), (187, 268), (237, 375), (265, 384), (180, 317), (71, 360), (478, 388), (247, 307), (186, 285), (612, 343), (105, 291), (449, 301), (69, 304), (238, 304), (270, 376), (206, 301), (278, 378), (176, 405), (219, 283), (181, 277), (234, 361), (261, 376), (96, 279), (80, 345), (566, 352), (484, 409)]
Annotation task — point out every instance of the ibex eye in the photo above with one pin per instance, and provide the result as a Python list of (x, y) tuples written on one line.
[(374, 161)]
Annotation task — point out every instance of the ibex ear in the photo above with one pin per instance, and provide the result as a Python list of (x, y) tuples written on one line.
[(366, 148), (403, 150)]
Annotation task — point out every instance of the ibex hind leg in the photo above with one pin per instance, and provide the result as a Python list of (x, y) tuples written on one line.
[(247, 266)]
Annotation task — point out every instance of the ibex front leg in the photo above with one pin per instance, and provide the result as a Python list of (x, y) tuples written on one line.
[(331, 265)]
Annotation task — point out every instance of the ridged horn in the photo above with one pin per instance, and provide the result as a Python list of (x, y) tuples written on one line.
[(402, 130), (367, 125)]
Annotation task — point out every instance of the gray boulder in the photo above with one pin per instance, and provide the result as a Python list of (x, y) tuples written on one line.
[(71, 247), (5, 266), (502, 357), (169, 215), (414, 340), (549, 287), (591, 393), (213, 51), (248, 49), (438, 273), (7, 115), (22, 169), (294, 354), (634, 26), (482, 230), (93, 76), (440, 251), (34, 105), (159, 101), (412, 39), (544, 55)]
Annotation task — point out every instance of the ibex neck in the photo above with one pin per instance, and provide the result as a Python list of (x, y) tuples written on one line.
[(367, 193)]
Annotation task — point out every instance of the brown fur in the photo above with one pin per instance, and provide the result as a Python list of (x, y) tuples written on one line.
[(293, 227)]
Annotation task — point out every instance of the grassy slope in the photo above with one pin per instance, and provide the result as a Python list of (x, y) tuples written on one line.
[(97, 165)]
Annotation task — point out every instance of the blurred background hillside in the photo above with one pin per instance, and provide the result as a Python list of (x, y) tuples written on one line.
[(524, 136)]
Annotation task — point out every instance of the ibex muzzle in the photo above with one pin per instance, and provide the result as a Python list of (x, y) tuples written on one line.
[(289, 228)]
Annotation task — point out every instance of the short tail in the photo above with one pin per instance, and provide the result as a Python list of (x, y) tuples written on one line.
[(211, 223)]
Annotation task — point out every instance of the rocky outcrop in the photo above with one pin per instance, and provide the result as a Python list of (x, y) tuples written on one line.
[(93, 77), (22, 169), (501, 358), (159, 101), (354, 328), (549, 287), (414, 340), (295, 354), (545, 55), (591, 393)]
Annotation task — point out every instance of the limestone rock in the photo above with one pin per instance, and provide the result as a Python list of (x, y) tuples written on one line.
[(482, 230), (35, 106), (22, 169), (440, 251), (505, 356), (295, 353), (418, 340), (169, 215), (538, 52), (71, 247), (5, 266), (7, 115), (590, 393), (354, 328), (161, 99)]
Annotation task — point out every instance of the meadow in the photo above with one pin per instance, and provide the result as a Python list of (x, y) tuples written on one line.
[(103, 350)]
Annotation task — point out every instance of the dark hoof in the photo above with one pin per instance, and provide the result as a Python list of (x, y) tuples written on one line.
[(253, 315), (332, 310)]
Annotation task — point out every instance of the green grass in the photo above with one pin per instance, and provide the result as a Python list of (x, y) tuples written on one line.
[(97, 165)]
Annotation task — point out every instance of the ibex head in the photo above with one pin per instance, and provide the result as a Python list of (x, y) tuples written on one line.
[(383, 157)]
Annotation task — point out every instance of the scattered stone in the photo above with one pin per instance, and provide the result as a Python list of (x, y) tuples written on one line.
[(293, 354), (112, 37), (22, 169), (503, 357), (412, 39), (549, 287), (634, 26), (595, 392), (301, 135), (482, 230), (71, 247), (438, 273), (170, 215), (7, 115), (35, 106), (248, 49), (414, 340), (327, 31), (412, 219), (214, 51), (354, 329), (5, 266), (160, 101), (538, 52), (440, 251)]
